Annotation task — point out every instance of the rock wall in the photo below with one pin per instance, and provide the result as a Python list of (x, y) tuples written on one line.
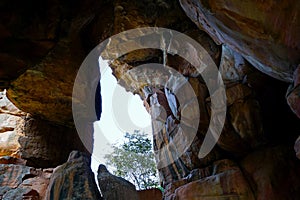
[(43, 45), (249, 127), (11, 121), (22, 182), (251, 124), (34, 141), (265, 33)]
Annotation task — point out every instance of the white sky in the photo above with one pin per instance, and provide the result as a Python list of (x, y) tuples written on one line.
[(121, 112)]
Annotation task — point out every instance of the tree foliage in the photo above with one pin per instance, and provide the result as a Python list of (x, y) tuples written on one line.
[(134, 160)]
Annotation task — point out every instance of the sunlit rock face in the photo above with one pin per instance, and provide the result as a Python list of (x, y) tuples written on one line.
[(266, 33), (11, 121)]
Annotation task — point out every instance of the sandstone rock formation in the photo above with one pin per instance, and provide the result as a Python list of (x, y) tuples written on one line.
[(22, 182), (150, 194), (225, 180), (113, 187), (11, 122), (265, 171), (265, 33), (44, 43), (73, 180), (36, 142)]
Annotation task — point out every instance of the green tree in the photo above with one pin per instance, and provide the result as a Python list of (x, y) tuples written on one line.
[(134, 161)]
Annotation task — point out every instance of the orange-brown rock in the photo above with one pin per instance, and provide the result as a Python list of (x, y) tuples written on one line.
[(226, 182), (43, 45), (266, 33), (33, 141), (12, 160), (150, 194), (64, 45), (268, 168), (22, 182)]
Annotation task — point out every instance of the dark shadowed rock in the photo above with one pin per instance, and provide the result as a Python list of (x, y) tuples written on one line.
[(297, 147), (113, 187), (44, 144), (273, 173), (73, 180), (150, 194), (293, 94)]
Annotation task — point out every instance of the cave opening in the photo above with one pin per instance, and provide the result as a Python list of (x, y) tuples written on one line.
[(122, 112)]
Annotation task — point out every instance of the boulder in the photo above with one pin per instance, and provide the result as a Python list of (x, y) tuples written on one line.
[(113, 187), (22, 182), (73, 180)]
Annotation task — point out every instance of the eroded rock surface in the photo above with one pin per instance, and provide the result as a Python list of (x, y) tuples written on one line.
[(32, 141), (73, 180), (11, 121), (22, 182), (265, 33), (225, 181), (113, 187), (265, 170), (45, 43)]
